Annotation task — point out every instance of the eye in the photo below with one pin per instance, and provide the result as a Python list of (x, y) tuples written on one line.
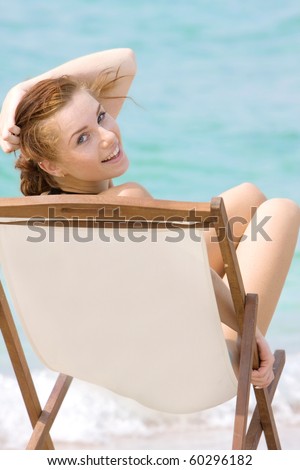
[(82, 138), (101, 116), (85, 137)]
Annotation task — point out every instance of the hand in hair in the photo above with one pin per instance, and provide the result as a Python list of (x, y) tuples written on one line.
[(117, 67), (9, 132)]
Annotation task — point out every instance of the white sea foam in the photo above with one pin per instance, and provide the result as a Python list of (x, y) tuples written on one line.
[(91, 415)]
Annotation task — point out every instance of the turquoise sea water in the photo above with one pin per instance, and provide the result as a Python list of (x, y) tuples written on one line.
[(218, 93)]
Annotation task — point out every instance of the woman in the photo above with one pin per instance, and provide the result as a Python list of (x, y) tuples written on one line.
[(70, 142)]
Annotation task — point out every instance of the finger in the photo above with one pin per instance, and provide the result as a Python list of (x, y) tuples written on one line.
[(265, 376), (262, 375), (15, 130), (7, 147), (7, 132), (12, 139), (261, 380)]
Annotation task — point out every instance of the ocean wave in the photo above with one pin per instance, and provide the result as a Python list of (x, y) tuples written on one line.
[(91, 415)]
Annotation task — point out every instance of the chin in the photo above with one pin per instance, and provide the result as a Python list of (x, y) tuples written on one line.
[(122, 169)]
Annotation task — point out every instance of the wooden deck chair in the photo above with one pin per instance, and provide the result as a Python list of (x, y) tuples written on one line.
[(118, 292)]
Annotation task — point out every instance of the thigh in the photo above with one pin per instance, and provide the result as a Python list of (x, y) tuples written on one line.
[(266, 252), (241, 202)]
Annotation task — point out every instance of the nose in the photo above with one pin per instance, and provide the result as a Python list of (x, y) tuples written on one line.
[(107, 137)]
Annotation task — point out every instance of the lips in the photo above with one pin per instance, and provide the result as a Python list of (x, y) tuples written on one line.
[(113, 155)]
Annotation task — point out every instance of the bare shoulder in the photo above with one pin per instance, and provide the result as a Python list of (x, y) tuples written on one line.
[(128, 190)]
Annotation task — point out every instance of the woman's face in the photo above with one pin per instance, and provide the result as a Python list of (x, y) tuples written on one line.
[(90, 145)]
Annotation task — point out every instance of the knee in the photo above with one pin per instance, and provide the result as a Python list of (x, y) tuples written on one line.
[(292, 210), (286, 210), (285, 206), (253, 193), (290, 206)]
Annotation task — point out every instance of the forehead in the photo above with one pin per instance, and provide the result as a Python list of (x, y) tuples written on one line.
[(77, 112)]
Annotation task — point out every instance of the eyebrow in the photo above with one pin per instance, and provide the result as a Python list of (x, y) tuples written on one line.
[(84, 127)]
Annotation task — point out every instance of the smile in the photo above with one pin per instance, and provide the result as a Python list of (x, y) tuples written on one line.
[(113, 156)]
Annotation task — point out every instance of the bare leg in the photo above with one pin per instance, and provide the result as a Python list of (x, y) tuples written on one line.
[(265, 254), (265, 257), (240, 202)]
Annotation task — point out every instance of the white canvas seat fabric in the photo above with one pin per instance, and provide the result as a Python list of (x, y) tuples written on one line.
[(137, 317)]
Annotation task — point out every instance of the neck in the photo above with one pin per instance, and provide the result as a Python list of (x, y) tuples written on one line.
[(73, 185)]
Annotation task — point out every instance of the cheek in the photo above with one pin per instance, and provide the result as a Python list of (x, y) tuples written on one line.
[(69, 160), (62, 152)]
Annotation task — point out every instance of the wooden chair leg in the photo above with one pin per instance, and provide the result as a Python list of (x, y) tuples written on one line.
[(255, 427), (19, 363), (245, 369), (48, 415), (267, 419)]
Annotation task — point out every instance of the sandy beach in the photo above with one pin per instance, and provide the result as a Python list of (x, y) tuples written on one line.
[(205, 440), (187, 439), (94, 418), (212, 439)]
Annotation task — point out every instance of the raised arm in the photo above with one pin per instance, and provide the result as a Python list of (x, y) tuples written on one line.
[(115, 63)]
